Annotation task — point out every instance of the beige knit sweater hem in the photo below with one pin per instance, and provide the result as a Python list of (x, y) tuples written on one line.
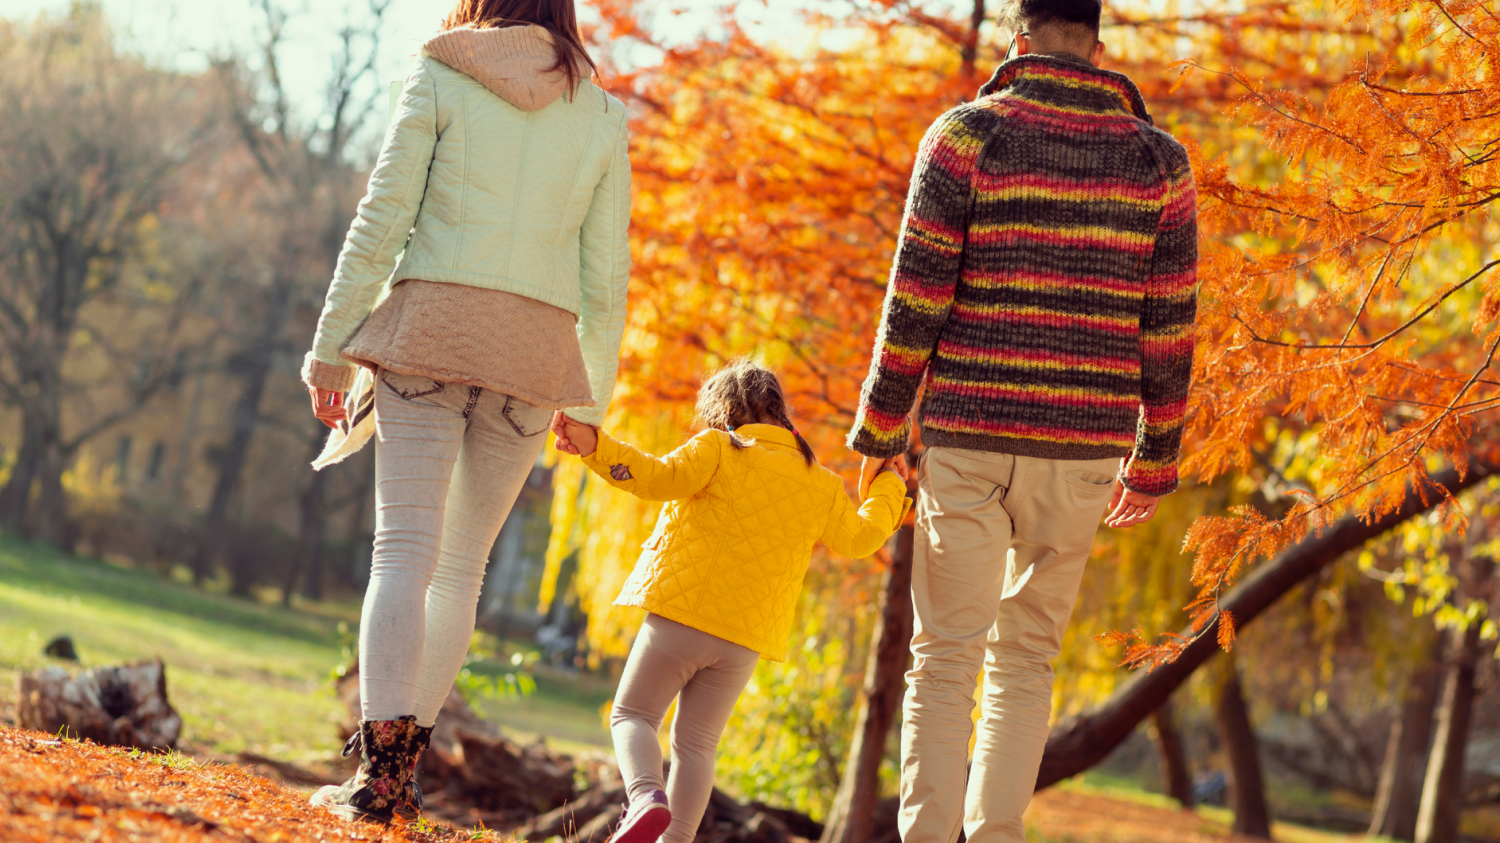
[(500, 341)]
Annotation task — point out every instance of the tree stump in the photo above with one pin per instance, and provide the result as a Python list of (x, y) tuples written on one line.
[(120, 706)]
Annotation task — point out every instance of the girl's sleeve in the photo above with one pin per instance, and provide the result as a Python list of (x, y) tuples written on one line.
[(857, 533), (680, 474), (381, 225)]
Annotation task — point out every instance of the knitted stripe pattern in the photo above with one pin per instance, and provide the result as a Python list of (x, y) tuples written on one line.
[(1045, 280)]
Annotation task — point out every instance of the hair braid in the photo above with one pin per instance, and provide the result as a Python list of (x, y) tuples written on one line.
[(742, 393)]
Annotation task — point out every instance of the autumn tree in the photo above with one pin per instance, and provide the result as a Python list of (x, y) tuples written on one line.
[(1347, 330), (92, 307), (1333, 350), (303, 202)]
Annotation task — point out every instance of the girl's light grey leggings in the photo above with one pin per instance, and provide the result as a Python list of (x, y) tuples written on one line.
[(668, 660), (449, 462)]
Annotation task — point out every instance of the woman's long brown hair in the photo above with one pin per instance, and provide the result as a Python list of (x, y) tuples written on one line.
[(556, 16)]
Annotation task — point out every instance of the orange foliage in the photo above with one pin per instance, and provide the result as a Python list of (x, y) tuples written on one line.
[(1347, 161), (52, 790), (1346, 335)]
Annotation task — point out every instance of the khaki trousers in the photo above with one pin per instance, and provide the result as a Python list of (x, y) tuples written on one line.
[(1001, 543)]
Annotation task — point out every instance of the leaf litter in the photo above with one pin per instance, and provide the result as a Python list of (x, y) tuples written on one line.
[(56, 789)]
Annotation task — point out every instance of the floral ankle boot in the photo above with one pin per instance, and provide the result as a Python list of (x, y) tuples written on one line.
[(387, 775)]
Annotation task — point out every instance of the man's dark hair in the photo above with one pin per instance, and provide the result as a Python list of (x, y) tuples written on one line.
[(1080, 18)]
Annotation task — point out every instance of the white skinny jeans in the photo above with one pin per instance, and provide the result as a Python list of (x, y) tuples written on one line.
[(449, 462)]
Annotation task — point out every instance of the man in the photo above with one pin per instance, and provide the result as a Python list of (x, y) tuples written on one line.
[(1044, 288)]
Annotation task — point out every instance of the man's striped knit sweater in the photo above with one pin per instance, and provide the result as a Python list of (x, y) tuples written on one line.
[(1045, 280)]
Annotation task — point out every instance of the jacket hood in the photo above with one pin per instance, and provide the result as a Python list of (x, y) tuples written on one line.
[(511, 61), (1066, 80)]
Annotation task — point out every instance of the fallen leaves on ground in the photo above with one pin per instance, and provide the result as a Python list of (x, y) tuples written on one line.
[(65, 790), (1064, 816)]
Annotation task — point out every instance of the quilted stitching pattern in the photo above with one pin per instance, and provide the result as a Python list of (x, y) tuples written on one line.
[(445, 196), (732, 545)]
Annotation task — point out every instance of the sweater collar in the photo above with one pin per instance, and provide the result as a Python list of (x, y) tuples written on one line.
[(1066, 80), (514, 62), (769, 434)]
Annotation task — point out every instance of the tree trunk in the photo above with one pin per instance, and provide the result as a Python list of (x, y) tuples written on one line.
[(39, 466), (1247, 788), (1442, 791), (1177, 778), (851, 819), (231, 466), (971, 44), (358, 537), (255, 372), (307, 558), (48, 521), (1085, 740), (16, 495), (1400, 788)]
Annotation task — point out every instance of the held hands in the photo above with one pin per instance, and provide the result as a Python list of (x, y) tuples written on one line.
[(574, 437), (1127, 508), (328, 406), (869, 468)]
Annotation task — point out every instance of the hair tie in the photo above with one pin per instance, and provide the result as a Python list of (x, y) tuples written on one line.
[(731, 428), (795, 433)]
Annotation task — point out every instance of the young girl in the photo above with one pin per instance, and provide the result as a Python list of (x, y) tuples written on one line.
[(504, 185), (720, 578)]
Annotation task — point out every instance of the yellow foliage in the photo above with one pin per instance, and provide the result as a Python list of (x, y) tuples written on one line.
[(605, 528)]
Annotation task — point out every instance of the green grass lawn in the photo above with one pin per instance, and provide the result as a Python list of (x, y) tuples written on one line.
[(244, 676), (564, 709)]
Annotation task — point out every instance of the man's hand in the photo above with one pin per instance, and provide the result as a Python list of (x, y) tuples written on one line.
[(1127, 508), (574, 437), (328, 406), (869, 467)]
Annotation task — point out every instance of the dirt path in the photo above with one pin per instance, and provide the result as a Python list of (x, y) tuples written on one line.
[(1067, 817), (53, 790), (65, 791)]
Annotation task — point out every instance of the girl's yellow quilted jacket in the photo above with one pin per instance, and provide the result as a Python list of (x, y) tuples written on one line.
[(732, 545)]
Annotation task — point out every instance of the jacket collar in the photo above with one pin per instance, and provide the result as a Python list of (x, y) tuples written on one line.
[(513, 62), (769, 434), (1068, 81)]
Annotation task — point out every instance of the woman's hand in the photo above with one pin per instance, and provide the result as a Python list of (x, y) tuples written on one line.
[(328, 406)]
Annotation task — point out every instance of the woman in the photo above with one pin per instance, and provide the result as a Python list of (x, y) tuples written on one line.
[(505, 179)]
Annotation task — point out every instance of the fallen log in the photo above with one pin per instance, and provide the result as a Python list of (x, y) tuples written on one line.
[(119, 706), (566, 820), (1084, 740)]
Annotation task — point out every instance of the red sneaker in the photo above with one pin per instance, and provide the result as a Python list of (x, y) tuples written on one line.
[(644, 821)]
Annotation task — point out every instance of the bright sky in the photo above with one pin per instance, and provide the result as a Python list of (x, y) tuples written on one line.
[(184, 33)]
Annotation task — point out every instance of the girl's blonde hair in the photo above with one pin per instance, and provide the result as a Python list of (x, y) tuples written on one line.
[(745, 392)]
